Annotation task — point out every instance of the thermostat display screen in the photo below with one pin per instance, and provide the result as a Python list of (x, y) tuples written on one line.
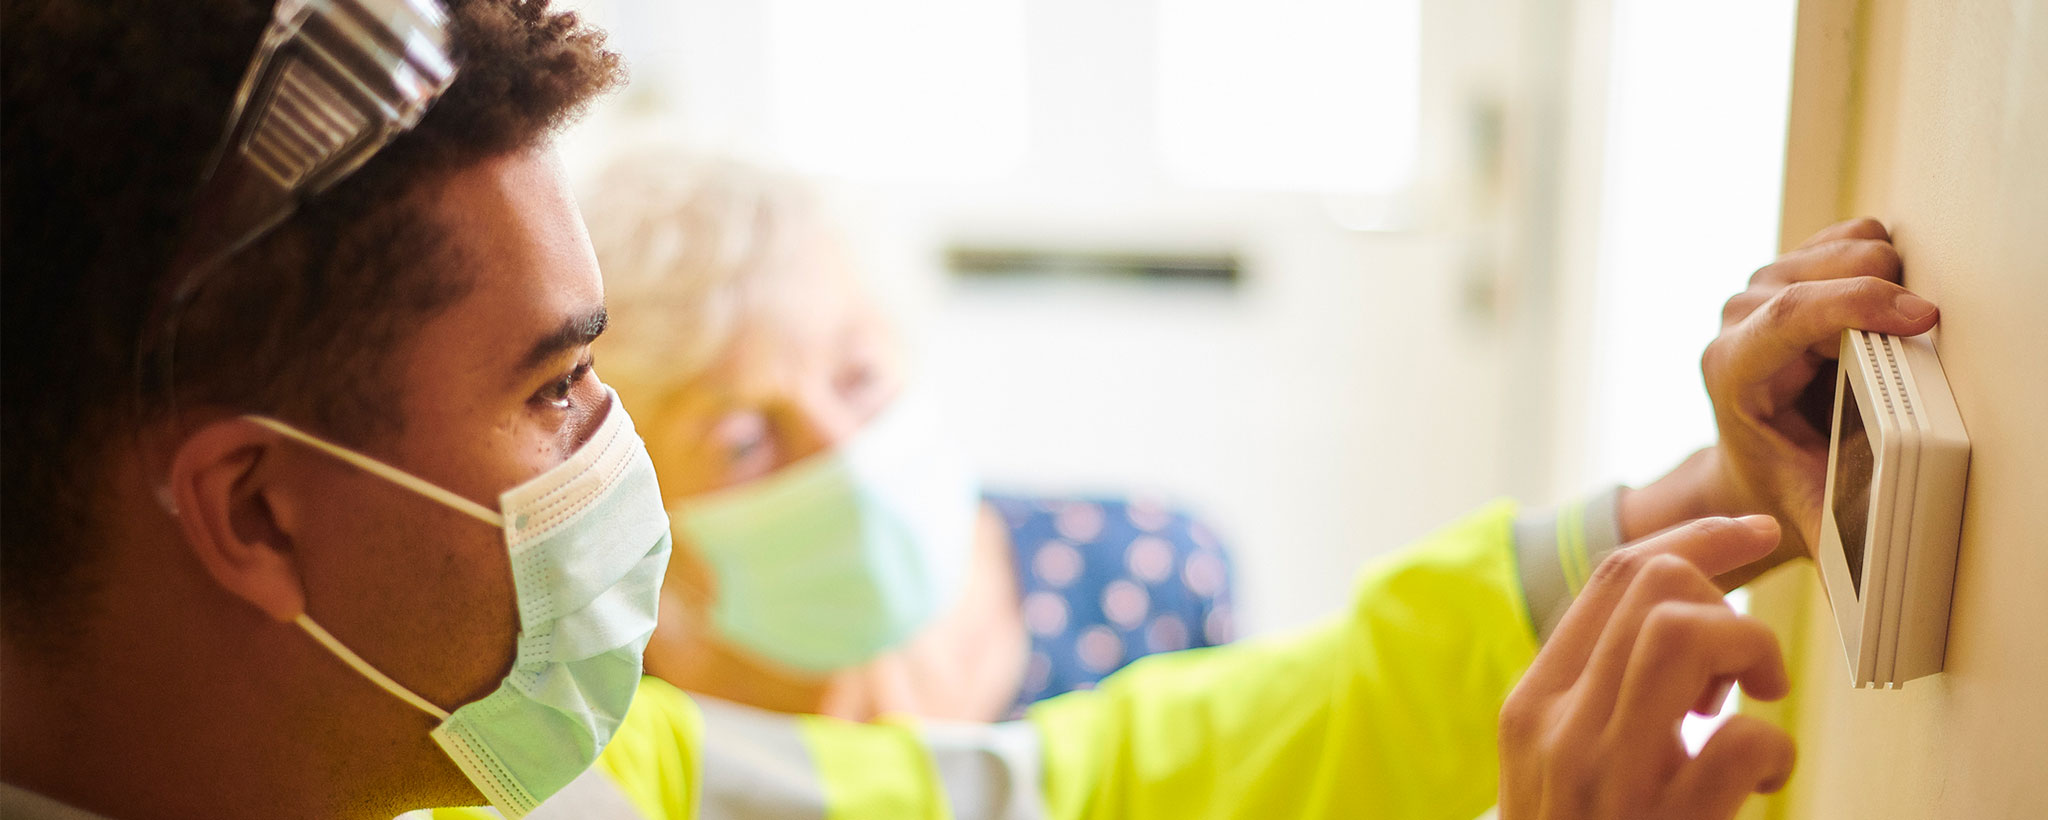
[(1853, 464)]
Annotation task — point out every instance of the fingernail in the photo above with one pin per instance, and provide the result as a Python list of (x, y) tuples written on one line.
[(1761, 523), (1912, 308)]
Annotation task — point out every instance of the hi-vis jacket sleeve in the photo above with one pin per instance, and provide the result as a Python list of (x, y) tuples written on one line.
[(1387, 711)]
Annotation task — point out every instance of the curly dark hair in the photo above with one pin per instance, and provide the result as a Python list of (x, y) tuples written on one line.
[(111, 109)]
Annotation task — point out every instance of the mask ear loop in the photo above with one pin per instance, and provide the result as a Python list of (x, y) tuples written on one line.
[(364, 668), (446, 497), (404, 479)]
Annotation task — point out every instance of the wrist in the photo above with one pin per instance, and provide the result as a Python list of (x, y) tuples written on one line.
[(1693, 489)]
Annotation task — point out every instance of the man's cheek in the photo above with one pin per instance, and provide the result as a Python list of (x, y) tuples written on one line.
[(443, 582), (484, 612)]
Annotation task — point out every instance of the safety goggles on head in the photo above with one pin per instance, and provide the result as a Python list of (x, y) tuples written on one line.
[(332, 82)]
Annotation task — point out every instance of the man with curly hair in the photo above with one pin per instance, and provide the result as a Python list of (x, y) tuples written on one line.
[(432, 311)]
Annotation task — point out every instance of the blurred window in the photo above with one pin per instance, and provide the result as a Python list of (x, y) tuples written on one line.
[(909, 90), (1290, 95), (1695, 150)]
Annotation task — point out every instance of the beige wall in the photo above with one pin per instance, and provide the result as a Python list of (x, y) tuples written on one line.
[(1933, 116)]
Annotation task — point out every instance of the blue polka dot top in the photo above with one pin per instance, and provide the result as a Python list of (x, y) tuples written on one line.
[(1105, 582)]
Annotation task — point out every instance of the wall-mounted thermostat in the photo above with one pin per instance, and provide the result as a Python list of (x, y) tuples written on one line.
[(1893, 508)]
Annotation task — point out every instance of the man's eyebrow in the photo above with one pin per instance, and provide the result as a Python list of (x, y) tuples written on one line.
[(576, 332)]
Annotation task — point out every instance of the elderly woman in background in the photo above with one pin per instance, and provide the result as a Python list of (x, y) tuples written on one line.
[(834, 554)]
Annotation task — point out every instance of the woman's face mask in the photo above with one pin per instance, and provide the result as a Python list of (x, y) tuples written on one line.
[(831, 560)]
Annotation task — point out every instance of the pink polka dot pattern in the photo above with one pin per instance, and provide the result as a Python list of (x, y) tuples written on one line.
[(1079, 521), (1150, 559), (1037, 671), (1125, 604), (1205, 574), (1045, 614), (1217, 629), (1100, 649), (1057, 563), (1166, 634), (1106, 581), (1148, 514)]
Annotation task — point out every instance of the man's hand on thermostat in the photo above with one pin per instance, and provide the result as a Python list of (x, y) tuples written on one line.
[(1592, 729), (1771, 375)]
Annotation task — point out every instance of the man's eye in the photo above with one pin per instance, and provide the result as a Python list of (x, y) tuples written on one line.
[(557, 394)]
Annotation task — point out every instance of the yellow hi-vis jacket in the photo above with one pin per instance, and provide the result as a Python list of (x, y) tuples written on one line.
[(1387, 711)]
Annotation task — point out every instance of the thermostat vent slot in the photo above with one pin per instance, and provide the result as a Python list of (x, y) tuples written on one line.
[(1897, 383)]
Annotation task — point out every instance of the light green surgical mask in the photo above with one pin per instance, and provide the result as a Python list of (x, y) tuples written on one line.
[(829, 561), (589, 543)]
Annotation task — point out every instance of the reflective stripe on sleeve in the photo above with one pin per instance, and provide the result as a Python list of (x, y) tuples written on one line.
[(591, 796), (756, 766), (761, 765), (989, 770), (1556, 550), (897, 769)]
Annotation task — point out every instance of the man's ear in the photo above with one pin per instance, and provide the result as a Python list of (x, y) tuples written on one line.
[(236, 516)]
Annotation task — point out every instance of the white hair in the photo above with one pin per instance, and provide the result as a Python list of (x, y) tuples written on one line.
[(693, 248)]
